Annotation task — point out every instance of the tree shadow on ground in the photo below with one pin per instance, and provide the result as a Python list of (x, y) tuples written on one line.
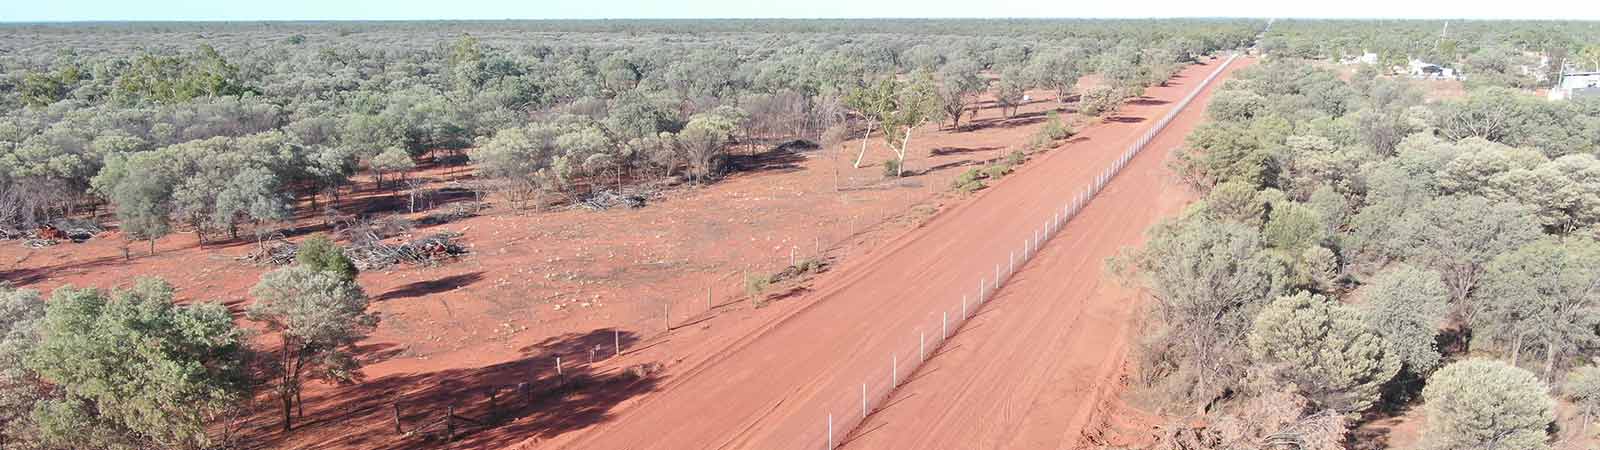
[(1019, 120), (487, 407), (1373, 430), (428, 287), (952, 164), (783, 158), (29, 275), (1147, 101), (944, 151)]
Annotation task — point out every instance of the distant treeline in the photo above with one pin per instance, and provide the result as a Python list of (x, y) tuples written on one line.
[(222, 127)]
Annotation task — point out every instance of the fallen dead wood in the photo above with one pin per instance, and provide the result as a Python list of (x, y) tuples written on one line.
[(280, 252), (53, 232), (373, 252), (630, 197)]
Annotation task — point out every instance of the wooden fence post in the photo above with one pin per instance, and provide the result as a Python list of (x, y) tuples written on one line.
[(450, 423), (494, 402)]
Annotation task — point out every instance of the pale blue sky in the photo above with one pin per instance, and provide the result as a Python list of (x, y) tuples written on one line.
[(77, 10)]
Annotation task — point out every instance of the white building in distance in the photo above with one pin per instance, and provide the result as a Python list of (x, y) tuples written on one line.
[(1368, 58), (1429, 71), (1576, 84)]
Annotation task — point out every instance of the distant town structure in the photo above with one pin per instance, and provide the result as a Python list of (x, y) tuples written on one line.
[(1539, 72), (1576, 84), (1422, 70), (1367, 58)]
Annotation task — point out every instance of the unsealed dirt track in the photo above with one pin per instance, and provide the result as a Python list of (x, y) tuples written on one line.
[(1021, 374), (1034, 369)]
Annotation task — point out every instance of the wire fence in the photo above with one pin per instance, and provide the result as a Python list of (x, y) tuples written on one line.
[(584, 362), (847, 411), (589, 360)]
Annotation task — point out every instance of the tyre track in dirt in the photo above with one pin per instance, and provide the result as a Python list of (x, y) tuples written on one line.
[(771, 387), (1032, 370)]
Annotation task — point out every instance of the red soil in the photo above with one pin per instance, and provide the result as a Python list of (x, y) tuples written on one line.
[(561, 283), (1034, 367), (1009, 380)]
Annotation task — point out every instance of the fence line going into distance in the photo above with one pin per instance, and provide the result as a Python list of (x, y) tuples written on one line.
[(874, 393), (564, 367)]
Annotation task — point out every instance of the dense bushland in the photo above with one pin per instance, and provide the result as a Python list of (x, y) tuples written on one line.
[(1356, 244), (223, 128), (241, 130)]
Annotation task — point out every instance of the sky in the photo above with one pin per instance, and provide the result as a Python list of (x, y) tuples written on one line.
[(247, 10)]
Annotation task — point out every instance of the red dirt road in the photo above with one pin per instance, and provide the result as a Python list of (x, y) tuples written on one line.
[(1034, 369), (772, 385)]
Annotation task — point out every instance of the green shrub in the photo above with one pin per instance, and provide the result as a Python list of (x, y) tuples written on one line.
[(971, 186), (891, 168), (1099, 101), (1055, 129), (809, 266), (755, 284), (969, 181), (1016, 158), (320, 253), (971, 175), (1486, 404), (1039, 141), (997, 171)]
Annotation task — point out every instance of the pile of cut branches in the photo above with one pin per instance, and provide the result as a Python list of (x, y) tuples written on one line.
[(631, 197), (371, 244), (8, 233), (279, 253), (369, 254), (77, 230), (53, 232)]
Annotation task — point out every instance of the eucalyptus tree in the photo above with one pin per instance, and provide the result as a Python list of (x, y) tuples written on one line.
[(959, 85), (898, 108), (317, 317)]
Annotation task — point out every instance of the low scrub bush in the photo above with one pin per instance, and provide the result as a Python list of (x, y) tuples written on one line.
[(1038, 142), (994, 172), (969, 176), (891, 168), (755, 284), (1099, 101), (972, 186), (1056, 129), (969, 181)]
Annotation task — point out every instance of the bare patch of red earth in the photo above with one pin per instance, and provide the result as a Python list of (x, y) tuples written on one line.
[(574, 283), (1027, 372)]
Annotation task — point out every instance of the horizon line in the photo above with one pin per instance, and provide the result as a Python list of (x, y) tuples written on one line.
[(641, 19)]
